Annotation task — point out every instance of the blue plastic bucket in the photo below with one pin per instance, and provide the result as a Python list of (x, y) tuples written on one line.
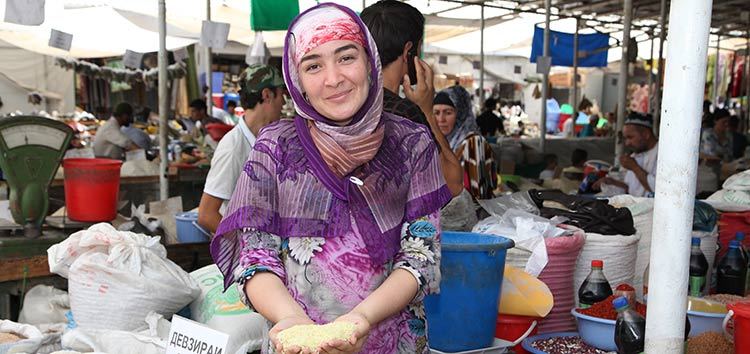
[(188, 230), (231, 96), (463, 316)]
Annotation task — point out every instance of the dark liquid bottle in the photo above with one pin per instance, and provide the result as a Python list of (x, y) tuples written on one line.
[(732, 271), (698, 269), (630, 328), (740, 237), (595, 288)]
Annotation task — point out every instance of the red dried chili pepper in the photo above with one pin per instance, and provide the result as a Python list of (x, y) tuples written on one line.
[(605, 310)]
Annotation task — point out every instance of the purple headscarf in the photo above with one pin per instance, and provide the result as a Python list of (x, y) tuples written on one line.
[(288, 190)]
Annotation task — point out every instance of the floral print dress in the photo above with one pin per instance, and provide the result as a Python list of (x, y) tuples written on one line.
[(329, 277)]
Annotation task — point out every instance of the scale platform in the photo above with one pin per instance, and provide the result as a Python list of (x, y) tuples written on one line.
[(31, 149)]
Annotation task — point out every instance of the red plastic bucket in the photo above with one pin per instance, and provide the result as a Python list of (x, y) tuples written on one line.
[(512, 327), (740, 312), (92, 188)]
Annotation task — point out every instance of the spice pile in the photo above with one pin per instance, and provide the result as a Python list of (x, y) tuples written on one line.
[(605, 310), (726, 299), (6, 338), (709, 343), (565, 345)]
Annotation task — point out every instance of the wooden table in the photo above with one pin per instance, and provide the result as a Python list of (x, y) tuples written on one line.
[(185, 182), (23, 264)]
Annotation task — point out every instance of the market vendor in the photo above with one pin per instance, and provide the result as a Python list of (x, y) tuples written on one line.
[(335, 217), (640, 177), (455, 118), (110, 142), (198, 113), (716, 142), (262, 97)]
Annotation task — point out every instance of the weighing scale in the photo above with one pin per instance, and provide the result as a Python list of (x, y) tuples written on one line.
[(31, 149)]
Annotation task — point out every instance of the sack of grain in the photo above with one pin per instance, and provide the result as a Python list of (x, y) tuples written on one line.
[(619, 254), (24, 338), (116, 278), (224, 312)]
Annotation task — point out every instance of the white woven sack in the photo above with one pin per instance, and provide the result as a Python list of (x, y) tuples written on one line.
[(44, 304), (151, 338), (224, 312), (116, 278), (618, 253), (642, 210)]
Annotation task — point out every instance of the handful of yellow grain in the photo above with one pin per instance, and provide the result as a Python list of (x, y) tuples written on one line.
[(6, 338), (313, 336)]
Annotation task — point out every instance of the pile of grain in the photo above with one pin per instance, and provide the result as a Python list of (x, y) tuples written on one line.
[(709, 343), (312, 337), (6, 338), (726, 299)]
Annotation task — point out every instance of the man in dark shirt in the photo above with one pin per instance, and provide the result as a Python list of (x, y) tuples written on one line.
[(398, 29), (489, 123)]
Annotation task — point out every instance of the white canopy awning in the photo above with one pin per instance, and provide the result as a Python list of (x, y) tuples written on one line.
[(97, 32)]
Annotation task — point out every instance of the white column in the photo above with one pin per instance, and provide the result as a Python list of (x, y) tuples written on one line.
[(163, 103), (622, 98), (481, 59), (545, 78), (207, 61), (574, 100), (689, 22), (662, 37)]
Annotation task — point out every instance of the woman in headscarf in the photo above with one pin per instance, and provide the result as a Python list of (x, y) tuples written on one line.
[(452, 109), (336, 216)]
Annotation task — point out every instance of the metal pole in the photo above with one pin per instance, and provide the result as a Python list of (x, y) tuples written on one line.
[(209, 76), (622, 99), (715, 98), (660, 72), (481, 58), (545, 78), (689, 22), (651, 76), (574, 100), (163, 103)]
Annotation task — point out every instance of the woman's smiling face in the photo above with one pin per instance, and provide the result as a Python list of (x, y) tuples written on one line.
[(334, 76)]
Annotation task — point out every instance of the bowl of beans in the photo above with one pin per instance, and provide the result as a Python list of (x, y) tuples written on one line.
[(559, 343)]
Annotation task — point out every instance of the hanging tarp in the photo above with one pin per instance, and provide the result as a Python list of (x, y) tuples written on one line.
[(272, 15), (592, 48)]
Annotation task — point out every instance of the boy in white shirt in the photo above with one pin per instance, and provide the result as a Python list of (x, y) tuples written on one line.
[(262, 97)]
